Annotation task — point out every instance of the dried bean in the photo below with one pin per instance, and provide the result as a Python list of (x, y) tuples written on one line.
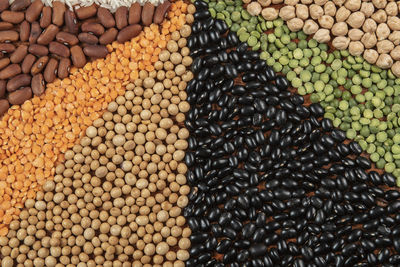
[(121, 17), (48, 35), (19, 5), (59, 49), (38, 84), (19, 54), (88, 38), (4, 105), (128, 33), (50, 72), (27, 64), (45, 19), (63, 68), (39, 65), (6, 26), (105, 17), (95, 28), (58, 13), (3, 89), (135, 12), (8, 36), (86, 12), (71, 22), (4, 62), (7, 48), (24, 31), (38, 50), (109, 36), (10, 71), (161, 12), (147, 14), (35, 32), (95, 51), (12, 17), (4, 4), (33, 11), (18, 81), (20, 96), (77, 56), (67, 38)]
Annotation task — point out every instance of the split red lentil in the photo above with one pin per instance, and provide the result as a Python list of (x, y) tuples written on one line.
[(34, 136)]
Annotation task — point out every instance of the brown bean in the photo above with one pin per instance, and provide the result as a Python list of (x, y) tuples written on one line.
[(147, 14), (45, 19), (38, 84), (71, 22), (18, 81), (63, 68), (38, 50), (8, 36), (58, 13), (95, 28), (48, 35), (88, 38), (19, 54), (95, 51), (105, 17), (6, 26), (35, 32), (27, 64), (34, 10), (135, 12), (4, 62), (121, 17), (19, 5), (50, 73), (20, 96), (59, 49), (39, 65), (4, 4), (7, 48), (2, 88), (127, 33), (4, 105), (161, 12), (10, 71), (77, 56), (12, 17), (67, 38), (24, 31), (86, 12), (109, 36)]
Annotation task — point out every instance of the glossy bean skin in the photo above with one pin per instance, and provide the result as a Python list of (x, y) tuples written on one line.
[(8, 36), (24, 31), (39, 65), (10, 71), (63, 68), (71, 22), (6, 26), (4, 105), (67, 38), (48, 35), (20, 96), (88, 38), (59, 49), (147, 14), (27, 64), (161, 12), (38, 84), (58, 13), (33, 11), (50, 72), (18, 81), (77, 56), (45, 19), (86, 12), (19, 5), (35, 32), (4, 62), (95, 28), (121, 17), (95, 51), (109, 36), (3, 89), (128, 33), (19, 54), (7, 48), (12, 17), (105, 17), (38, 50), (135, 12)]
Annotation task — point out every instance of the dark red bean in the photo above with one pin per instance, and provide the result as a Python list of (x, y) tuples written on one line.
[(48, 35), (19, 54), (6, 26), (10, 71), (147, 14), (3, 89), (95, 28), (58, 13), (88, 38), (33, 12), (161, 12), (24, 31), (35, 32), (71, 22), (18, 81), (67, 38), (38, 50), (27, 64), (105, 17), (50, 72), (4, 105), (121, 17), (4, 4), (77, 56), (109, 36), (39, 65), (128, 33), (20, 96), (86, 12), (45, 19), (38, 84), (59, 49), (7, 48), (95, 51), (63, 68), (135, 12), (19, 5)]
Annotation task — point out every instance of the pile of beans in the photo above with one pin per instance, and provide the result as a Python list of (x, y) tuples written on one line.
[(274, 183), (39, 43), (370, 29)]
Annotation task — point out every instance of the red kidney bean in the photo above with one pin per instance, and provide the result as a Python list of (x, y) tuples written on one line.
[(50, 72), (38, 84), (88, 38), (4, 62), (34, 10), (20, 96), (35, 32), (4, 105), (77, 56), (105, 17), (27, 64), (109, 36), (24, 31), (19, 54), (67, 38), (48, 35), (71, 22), (147, 14), (128, 33), (2, 88), (6, 26), (45, 19), (8, 36), (19, 5), (161, 11), (86, 12), (7, 48), (121, 17), (135, 12), (58, 13), (63, 68), (39, 65), (95, 51), (4, 4), (38, 50), (10, 71), (95, 28), (12, 17), (59, 49), (18, 81)]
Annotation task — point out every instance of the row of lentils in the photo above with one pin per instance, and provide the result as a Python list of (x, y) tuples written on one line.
[(274, 183)]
